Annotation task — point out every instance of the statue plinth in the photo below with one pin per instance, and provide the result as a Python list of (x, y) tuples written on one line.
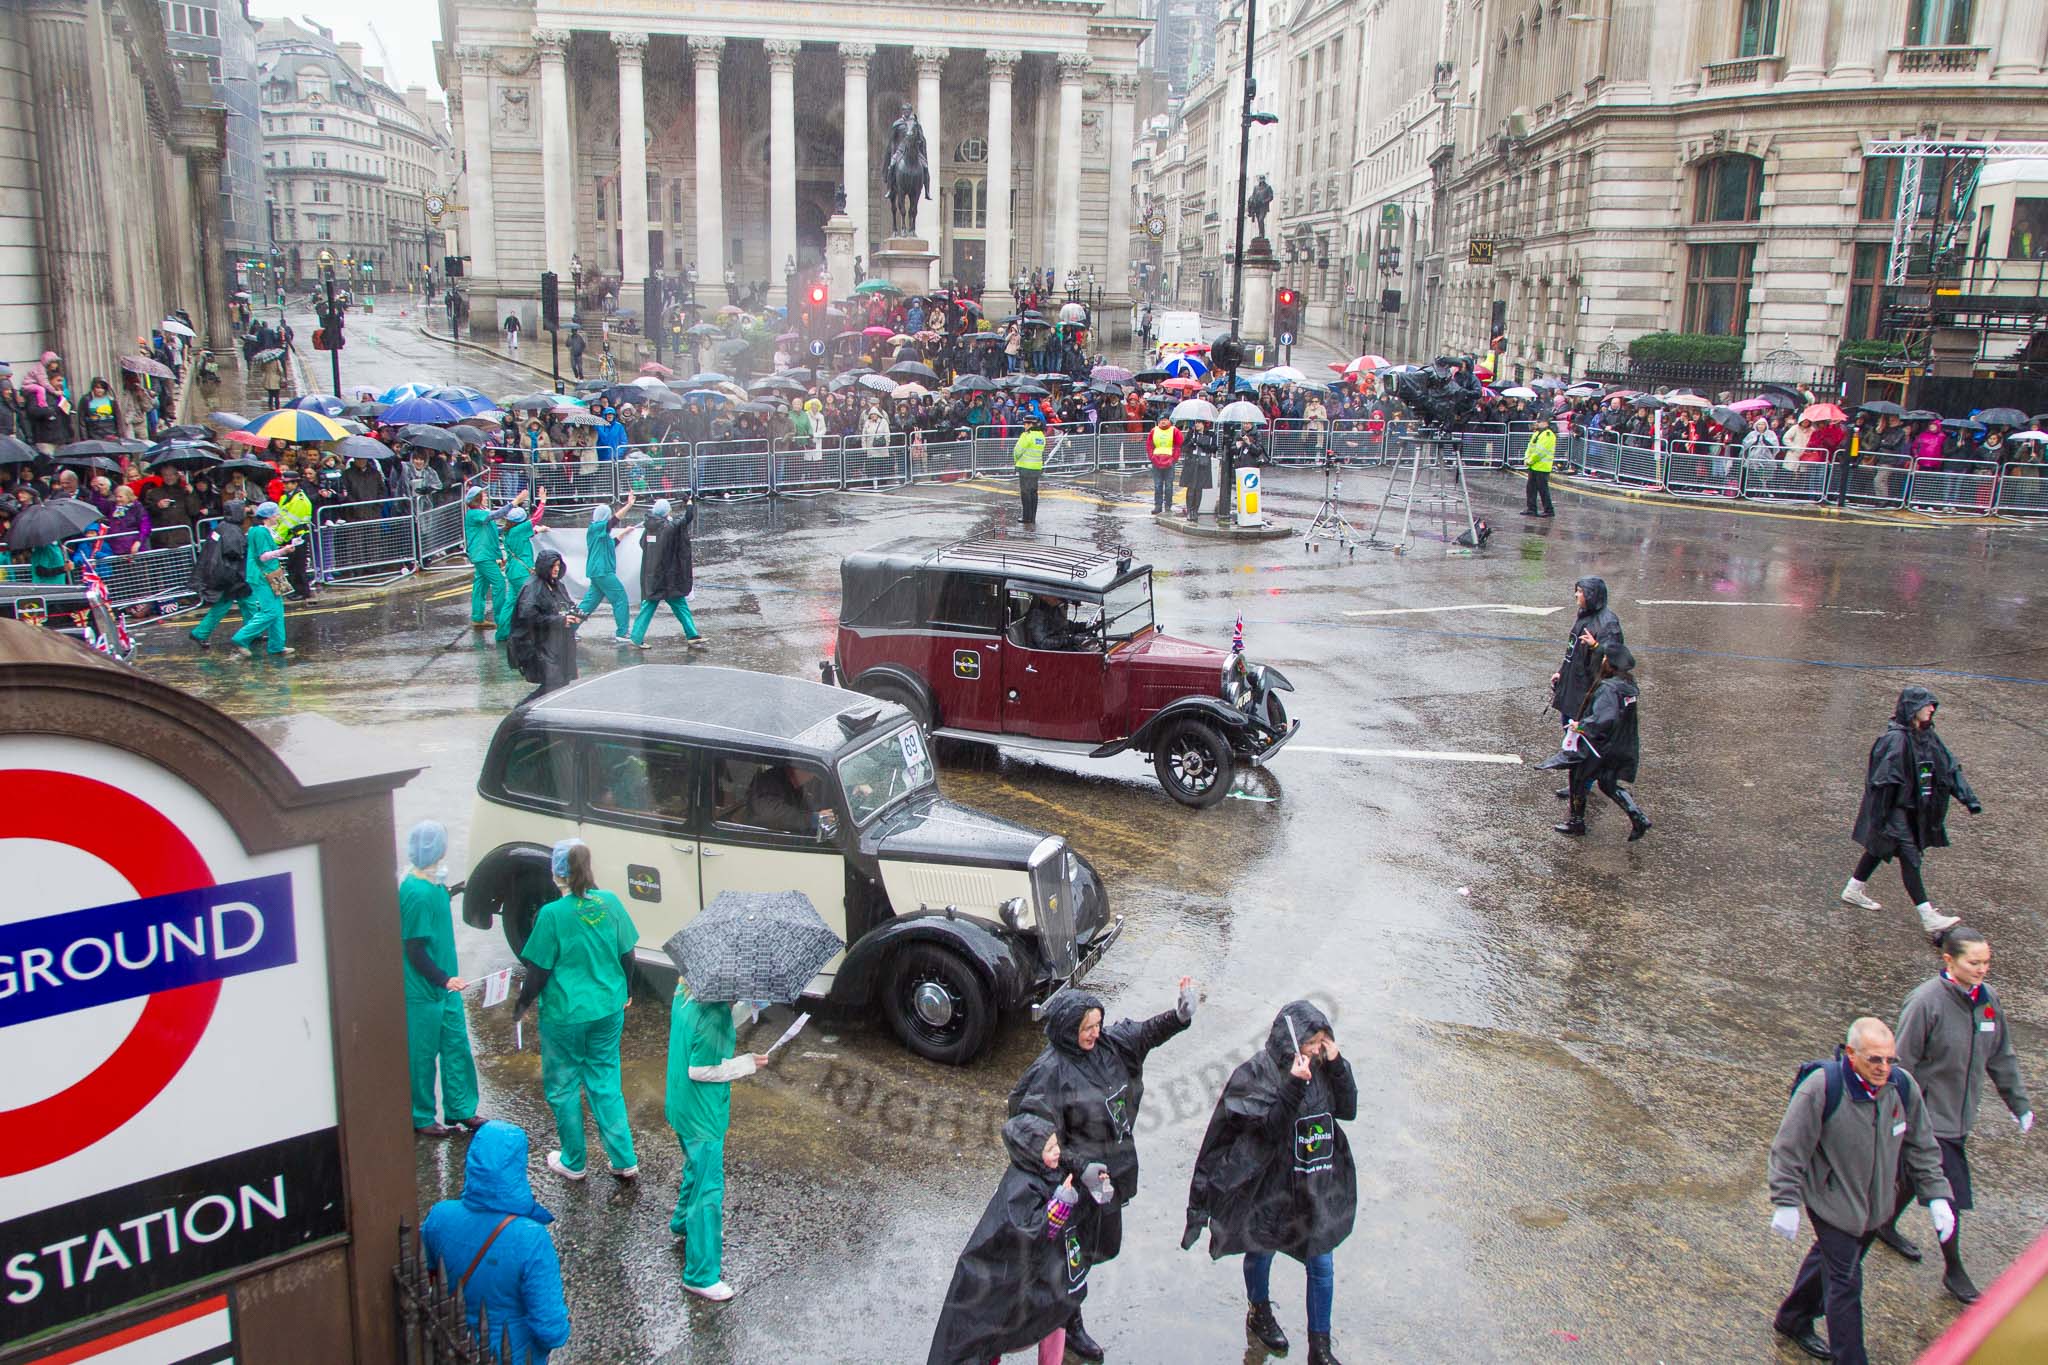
[(905, 262), (839, 254), (1260, 267)]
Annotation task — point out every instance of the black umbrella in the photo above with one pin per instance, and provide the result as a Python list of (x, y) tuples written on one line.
[(624, 393), (96, 462), (761, 406), (1053, 378), (776, 384), (1032, 391), (1881, 408), (14, 451), (256, 468), (845, 381), (1961, 424), (753, 945), (363, 448), (431, 438), (972, 383), (366, 409), (1728, 417), (2002, 417), (531, 402), (913, 369), (666, 398), (51, 523), (1151, 376), (468, 435), (1923, 415), (86, 448), (184, 455), (1781, 402), (185, 433)]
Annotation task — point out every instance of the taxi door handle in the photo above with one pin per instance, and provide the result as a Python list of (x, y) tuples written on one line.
[(1031, 668), (714, 853), (684, 849)]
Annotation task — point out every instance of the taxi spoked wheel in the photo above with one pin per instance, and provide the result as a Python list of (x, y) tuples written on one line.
[(938, 1004), (1193, 763), (889, 690)]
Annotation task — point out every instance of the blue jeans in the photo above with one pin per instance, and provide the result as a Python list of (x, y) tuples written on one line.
[(1322, 1285), (1162, 490)]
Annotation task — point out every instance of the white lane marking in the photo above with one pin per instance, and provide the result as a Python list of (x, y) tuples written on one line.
[(1508, 607), (1432, 755), (1706, 602)]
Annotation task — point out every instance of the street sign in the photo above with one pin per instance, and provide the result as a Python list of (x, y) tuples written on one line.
[(817, 348), (1390, 215), (1351, 291), (168, 1111), (1286, 338), (1479, 251)]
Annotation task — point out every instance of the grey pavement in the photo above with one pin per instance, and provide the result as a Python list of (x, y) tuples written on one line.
[(1572, 1054)]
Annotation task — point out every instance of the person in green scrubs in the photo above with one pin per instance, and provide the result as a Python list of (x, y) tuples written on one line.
[(519, 529), (578, 963), (263, 607), (601, 566), (436, 1030), (486, 561), (46, 565), (701, 1070)]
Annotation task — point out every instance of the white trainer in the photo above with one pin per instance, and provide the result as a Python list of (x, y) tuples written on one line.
[(717, 1293), (1853, 894), (1933, 921), (631, 1172), (556, 1165)]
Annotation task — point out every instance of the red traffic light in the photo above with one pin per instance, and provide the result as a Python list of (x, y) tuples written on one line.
[(1287, 298), (817, 296)]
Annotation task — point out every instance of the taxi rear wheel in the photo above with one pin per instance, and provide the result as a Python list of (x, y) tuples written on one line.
[(903, 697), (938, 1004), (1193, 763)]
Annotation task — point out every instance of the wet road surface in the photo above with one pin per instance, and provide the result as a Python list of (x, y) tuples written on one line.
[(1571, 1054)]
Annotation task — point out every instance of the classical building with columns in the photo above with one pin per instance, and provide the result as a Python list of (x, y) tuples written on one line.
[(745, 118)]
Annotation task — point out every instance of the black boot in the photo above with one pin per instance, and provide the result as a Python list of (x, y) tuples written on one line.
[(1573, 826), (1079, 1342), (1260, 1322), (1638, 823), (1319, 1352), (1955, 1279), (1563, 793)]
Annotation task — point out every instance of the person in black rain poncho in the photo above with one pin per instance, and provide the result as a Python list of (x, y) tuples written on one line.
[(1088, 1082), (543, 642), (1014, 1287), (1906, 793), (1594, 628), (1609, 747), (1275, 1172)]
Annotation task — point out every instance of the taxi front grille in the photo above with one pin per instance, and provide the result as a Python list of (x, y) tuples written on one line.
[(1056, 893)]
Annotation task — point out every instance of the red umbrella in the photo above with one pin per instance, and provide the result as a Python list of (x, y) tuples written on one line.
[(247, 438), (656, 368), (1367, 363), (878, 331), (1182, 385), (1823, 412)]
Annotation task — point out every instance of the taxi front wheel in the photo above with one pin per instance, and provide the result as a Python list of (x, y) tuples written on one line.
[(1193, 763), (938, 1004)]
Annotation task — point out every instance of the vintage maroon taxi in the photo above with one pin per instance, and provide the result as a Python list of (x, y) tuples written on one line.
[(1039, 645)]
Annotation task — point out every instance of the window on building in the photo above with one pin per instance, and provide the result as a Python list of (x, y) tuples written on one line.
[(319, 125), (970, 203), (1865, 313), (654, 196), (600, 199), (675, 200), (320, 159), (1717, 281), (1728, 189), (323, 193), (212, 22), (323, 229), (1880, 188), (1939, 23), (1757, 33)]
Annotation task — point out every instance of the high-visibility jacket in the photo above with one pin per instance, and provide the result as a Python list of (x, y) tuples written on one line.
[(294, 515), (1541, 451), (1030, 450), (1165, 446)]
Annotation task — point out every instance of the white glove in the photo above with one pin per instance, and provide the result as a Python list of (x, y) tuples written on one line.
[(2026, 1121), (1944, 1219), (1185, 1005), (1785, 1221)]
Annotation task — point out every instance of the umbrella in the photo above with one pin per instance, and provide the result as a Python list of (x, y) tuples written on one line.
[(326, 404), (1187, 367), (1368, 363), (296, 425), (789, 336), (531, 402), (1686, 400), (1150, 376), (753, 945), (577, 417), (880, 383), (1027, 318), (268, 354), (1749, 405), (182, 456), (352, 427), (244, 438), (647, 381), (466, 434), (1961, 424), (1546, 383), (1182, 384), (1072, 313), (1114, 374), (1881, 408), (731, 310), (1823, 412), (233, 421), (910, 391), (882, 332), (1283, 374), (1242, 411), (14, 451), (972, 383), (1243, 385), (83, 450), (429, 410), (142, 364), (705, 379), (2028, 436), (847, 381), (659, 370), (1780, 401), (1518, 392), (95, 462), (431, 438), (50, 523), (1032, 391), (363, 448), (762, 407), (660, 398), (1648, 400), (261, 469), (1194, 410), (914, 369), (876, 287), (1923, 415), (777, 384), (1586, 389), (2002, 417), (398, 393), (465, 402), (175, 328)]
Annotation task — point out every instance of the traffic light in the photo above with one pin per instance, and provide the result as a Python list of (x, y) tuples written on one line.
[(816, 297), (1286, 316), (1226, 352), (335, 339), (550, 301), (319, 338), (451, 266)]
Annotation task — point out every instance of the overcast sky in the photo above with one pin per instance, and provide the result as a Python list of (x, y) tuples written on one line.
[(409, 29)]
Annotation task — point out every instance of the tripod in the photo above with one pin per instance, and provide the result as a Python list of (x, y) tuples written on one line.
[(1329, 523), (1443, 492)]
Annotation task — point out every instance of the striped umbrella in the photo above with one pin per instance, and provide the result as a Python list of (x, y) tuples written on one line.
[(297, 426), (1187, 367)]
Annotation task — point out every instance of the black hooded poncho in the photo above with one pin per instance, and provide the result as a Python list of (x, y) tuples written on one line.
[(1581, 666), (665, 568), (1275, 1171), (1016, 1279), (542, 644), (1903, 814), (1610, 727)]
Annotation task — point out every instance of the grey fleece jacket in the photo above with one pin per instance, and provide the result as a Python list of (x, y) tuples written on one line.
[(1843, 1169), (1950, 1044)]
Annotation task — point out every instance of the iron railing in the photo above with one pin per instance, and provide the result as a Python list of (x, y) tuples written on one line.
[(433, 1323)]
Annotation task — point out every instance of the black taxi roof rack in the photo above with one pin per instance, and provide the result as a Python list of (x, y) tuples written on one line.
[(1076, 561)]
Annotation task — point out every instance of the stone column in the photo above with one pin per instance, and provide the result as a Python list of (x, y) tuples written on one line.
[(77, 256), (219, 335), (705, 50), (1066, 239), (855, 57), (558, 209), (2020, 40), (480, 214), (632, 49), (782, 159), (1002, 68), (1861, 53), (931, 67), (1123, 95), (1806, 31)]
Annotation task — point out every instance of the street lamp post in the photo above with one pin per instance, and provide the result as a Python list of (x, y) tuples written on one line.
[(333, 315), (1247, 119)]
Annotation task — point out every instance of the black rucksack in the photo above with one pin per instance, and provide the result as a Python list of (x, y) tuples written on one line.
[(1832, 1068)]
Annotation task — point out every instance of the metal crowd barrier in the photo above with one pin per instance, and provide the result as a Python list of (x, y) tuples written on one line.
[(364, 550)]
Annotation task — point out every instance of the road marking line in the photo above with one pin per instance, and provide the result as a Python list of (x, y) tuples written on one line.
[(1430, 755), (1715, 602), (1508, 607)]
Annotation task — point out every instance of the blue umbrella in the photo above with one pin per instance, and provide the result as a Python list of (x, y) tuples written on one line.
[(1243, 385), (707, 377), (319, 402), (400, 392), (467, 402), (431, 411), (1187, 367)]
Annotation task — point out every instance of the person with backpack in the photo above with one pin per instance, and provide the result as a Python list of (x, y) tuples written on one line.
[(221, 575), (1953, 1037), (493, 1246), (1906, 792), (1851, 1122)]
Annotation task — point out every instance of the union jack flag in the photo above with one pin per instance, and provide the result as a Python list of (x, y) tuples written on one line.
[(96, 594), (1237, 635)]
